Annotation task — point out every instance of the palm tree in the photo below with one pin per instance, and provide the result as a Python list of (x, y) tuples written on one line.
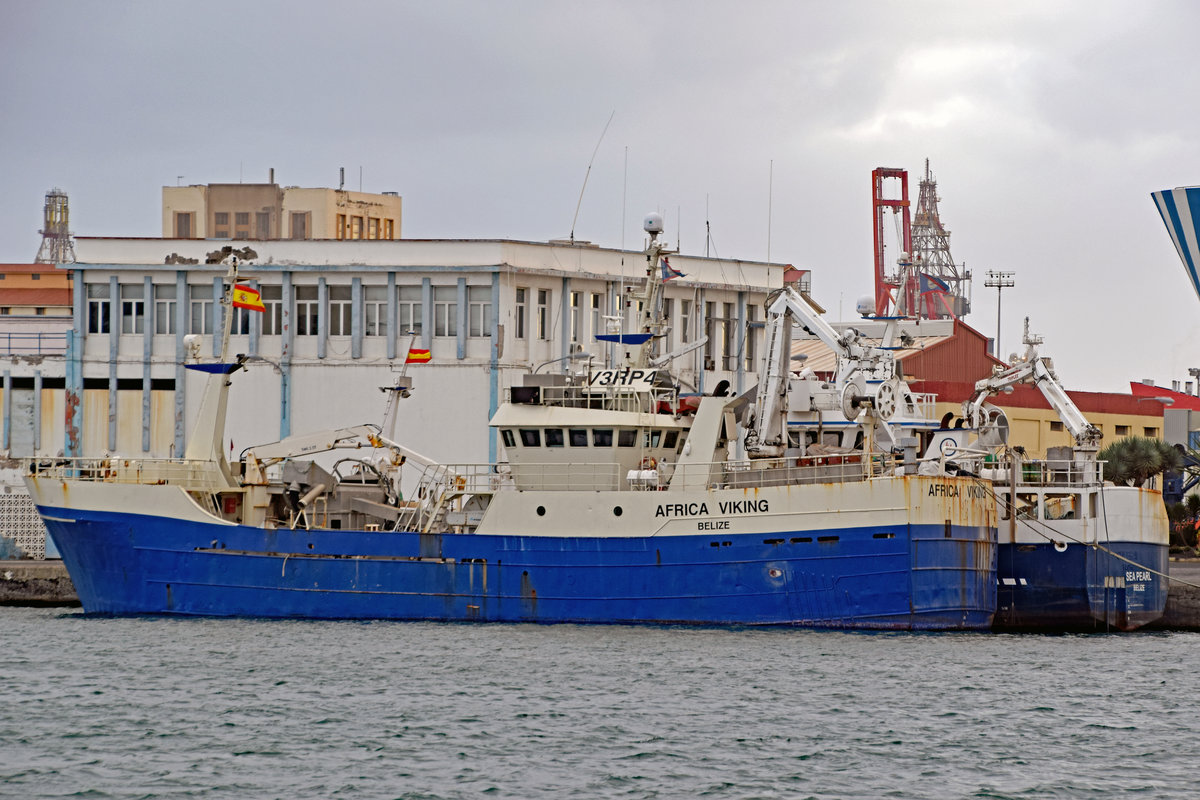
[(1134, 460)]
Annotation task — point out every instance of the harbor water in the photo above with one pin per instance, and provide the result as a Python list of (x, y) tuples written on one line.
[(212, 708)]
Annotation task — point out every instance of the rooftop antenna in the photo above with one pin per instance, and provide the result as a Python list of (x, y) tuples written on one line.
[(589, 172), (707, 227), (770, 196)]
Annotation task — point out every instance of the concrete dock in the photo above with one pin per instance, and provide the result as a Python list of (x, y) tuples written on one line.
[(46, 583), (36, 583)]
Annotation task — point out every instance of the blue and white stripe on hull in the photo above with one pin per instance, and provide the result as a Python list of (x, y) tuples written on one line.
[(904, 577)]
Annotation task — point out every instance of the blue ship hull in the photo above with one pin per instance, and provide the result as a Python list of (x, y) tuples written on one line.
[(906, 578), (1080, 588)]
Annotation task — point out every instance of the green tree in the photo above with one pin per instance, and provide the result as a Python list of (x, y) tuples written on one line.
[(1134, 460)]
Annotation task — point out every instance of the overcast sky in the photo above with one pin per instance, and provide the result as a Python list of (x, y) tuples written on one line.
[(1047, 126)]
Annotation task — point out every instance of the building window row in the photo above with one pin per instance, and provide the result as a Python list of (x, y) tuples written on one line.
[(356, 226), (340, 311)]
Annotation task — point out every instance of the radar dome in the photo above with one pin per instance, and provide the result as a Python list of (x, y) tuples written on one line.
[(865, 306), (653, 223)]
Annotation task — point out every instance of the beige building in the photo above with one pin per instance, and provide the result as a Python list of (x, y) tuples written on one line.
[(264, 211)]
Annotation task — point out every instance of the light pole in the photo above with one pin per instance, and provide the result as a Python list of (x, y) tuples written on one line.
[(1000, 281)]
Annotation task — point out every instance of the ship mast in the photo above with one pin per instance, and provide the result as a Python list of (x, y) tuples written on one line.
[(208, 437), (651, 319)]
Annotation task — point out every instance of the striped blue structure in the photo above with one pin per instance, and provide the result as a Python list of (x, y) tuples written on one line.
[(1175, 206)]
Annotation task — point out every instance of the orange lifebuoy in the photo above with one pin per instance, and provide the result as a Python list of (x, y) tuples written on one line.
[(649, 463)]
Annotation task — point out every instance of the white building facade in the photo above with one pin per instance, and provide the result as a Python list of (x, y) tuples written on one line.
[(341, 316)]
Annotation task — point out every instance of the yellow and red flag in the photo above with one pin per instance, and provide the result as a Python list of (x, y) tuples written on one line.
[(416, 356), (247, 297)]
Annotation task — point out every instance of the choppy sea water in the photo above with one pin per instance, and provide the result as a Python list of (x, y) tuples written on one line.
[(171, 708)]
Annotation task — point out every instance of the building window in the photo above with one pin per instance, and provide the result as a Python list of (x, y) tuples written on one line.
[(272, 321), (341, 226), (300, 225), (165, 308), (183, 225), (341, 311), (479, 310), (306, 311), (750, 331), (597, 315), (40, 311), (576, 315), (710, 311), (521, 311), (728, 338), (98, 308), (201, 305), (262, 225), (543, 314), (445, 311), (375, 310), (1122, 430), (241, 224), (1055, 425), (669, 334), (35, 277), (356, 227), (389, 229), (685, 320), (1150, 432), (373, 227), (240, 324), (409, 311), (221, 225)]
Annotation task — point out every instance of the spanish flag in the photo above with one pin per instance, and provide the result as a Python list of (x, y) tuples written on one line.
[(247, 297), (416, 356)]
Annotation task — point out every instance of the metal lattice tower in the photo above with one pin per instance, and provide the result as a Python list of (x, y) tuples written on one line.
[(931, 259), (57, 247)]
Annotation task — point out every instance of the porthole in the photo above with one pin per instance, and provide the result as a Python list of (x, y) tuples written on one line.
[(541, 511), (617, 511)]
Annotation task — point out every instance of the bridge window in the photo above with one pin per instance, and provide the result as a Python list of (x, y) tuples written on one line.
[(578, 437), (602, 437), (670, 438), (627, 438), (554, 437), (1060, 506), (531, 437), (509, 439)]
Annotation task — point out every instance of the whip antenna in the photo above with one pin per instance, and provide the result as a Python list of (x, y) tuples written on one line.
[(589, 172)]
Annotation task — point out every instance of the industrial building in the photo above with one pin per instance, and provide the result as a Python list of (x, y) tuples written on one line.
[(263, 211)]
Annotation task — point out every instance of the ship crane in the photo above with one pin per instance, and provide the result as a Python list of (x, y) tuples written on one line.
[(1038, 370), (865, 375)]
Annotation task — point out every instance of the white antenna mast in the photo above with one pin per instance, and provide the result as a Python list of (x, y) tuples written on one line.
[(589, 172), (770, 196)]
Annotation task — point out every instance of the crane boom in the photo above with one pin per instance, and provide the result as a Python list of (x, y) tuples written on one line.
[(1038, 370)]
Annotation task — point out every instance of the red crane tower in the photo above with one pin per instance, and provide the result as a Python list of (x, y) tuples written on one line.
[(885, 285), (926, 282)]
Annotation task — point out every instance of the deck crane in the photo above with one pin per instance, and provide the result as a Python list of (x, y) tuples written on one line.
[(1038, 370), (865, 376)]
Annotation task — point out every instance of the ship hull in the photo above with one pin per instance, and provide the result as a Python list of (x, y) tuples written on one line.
[(1081, 588), (897, 570)]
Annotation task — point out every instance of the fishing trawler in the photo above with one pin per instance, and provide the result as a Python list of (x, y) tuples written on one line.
[(622, 500), (1075, 552)]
